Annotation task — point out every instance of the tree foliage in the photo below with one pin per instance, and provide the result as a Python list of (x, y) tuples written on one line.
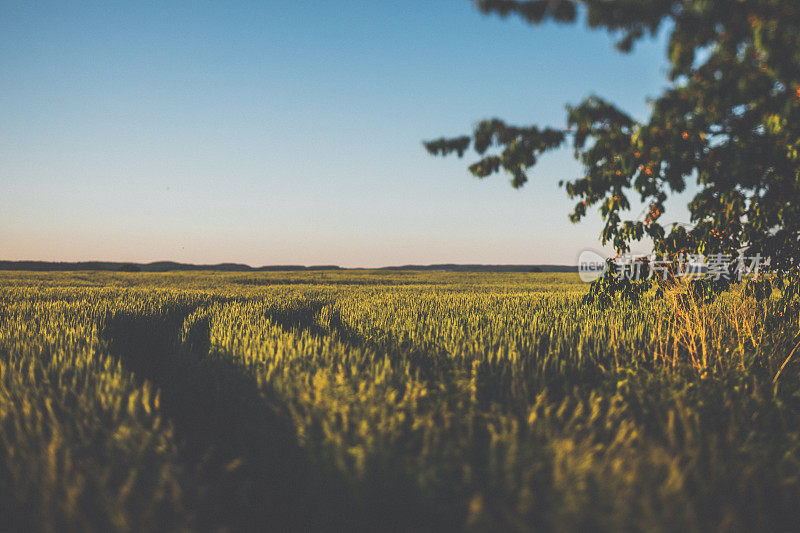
[(729, 119)]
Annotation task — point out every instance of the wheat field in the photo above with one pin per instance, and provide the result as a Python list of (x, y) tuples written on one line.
[(392, 401)]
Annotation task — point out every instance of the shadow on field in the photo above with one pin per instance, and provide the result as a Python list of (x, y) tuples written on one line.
[(429, 362), (243, 467), (387, 497)]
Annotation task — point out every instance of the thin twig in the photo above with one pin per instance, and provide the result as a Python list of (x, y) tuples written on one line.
[(775, 380)]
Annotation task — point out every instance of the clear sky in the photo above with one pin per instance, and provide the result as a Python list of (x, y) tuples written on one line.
[(289, 132)]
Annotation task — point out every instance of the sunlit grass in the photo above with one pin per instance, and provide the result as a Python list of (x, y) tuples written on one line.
[(405, 400)]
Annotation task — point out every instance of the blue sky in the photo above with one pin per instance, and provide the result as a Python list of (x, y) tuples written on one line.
[(289, 132)]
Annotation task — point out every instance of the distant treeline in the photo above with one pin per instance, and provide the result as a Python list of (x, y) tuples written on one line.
[(449, 267), (168, 266)]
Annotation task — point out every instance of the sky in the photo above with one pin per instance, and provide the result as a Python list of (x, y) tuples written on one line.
[(290, 132)]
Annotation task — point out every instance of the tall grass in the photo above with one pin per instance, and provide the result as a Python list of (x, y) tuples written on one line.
[(392, 401)]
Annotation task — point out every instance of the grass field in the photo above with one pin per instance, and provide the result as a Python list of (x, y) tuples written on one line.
[(399, 401)]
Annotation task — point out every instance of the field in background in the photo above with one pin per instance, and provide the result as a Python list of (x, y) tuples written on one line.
[(394, 400)]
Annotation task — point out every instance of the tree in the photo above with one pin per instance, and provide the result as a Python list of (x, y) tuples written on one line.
[(729, 118)]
